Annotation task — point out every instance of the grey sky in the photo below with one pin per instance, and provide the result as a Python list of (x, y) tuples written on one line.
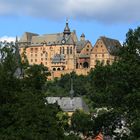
[(106, 11)]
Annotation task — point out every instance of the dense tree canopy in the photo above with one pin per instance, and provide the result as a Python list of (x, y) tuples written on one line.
[(111, 91), (115, 87), (24, 112)]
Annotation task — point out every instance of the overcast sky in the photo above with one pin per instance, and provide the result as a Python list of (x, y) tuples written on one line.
[(95, 18)]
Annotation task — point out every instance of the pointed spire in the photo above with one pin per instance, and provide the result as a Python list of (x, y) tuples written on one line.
[(67, 29), (71, 90), (16, 39), (82, 37)]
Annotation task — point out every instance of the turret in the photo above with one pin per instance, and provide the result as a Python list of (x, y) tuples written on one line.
[(67, 29), (82, 37)]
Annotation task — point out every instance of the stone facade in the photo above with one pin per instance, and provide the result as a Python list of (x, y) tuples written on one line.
[(104, 50), (63, 53)]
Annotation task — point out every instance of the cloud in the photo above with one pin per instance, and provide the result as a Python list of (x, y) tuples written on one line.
[(7, 39), (107, 11)]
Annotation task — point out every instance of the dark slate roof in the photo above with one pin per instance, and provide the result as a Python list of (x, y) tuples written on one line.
[(82, 35), (69, 104), (80, 45), (27, 37), (84, 56), (112, 45), (67, 29), (58, 58), (48, 39)]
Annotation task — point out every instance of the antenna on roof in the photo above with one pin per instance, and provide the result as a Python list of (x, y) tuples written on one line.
[(67, 20), (71, 85)]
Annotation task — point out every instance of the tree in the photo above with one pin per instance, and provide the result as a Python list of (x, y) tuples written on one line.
[(116, 86), (36, 76), (24, 112), (81, 123), (63, 120)]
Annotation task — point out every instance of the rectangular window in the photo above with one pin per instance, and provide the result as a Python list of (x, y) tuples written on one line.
[(31, 49), (63, 50), (46, 55), (70, 50), (67, 50), (36, 49), (60, 50)]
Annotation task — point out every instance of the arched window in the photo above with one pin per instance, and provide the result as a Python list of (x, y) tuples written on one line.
[(60, 50), (77, 65), (54, 69), (58, 69), (63, 50), (108, 62), (85, 65), (70, 50), (67, 50), (46, 55)]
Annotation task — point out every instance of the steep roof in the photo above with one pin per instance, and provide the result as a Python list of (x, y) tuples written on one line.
[(48, 39), (67, 29), (27, 37), (80, 45), (112, 45), (69, 104)]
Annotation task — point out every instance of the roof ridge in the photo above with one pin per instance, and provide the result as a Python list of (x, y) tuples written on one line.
[(108, 38)]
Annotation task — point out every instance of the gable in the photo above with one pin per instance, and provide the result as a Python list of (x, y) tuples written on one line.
[(99, 47), (85, 47)]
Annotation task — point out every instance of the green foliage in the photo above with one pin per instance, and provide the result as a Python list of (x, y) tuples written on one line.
[(24, 112), (72, 137), (115, 86), (81, 123), (35, 76), (63, 120), (107, 121), (53, 89)]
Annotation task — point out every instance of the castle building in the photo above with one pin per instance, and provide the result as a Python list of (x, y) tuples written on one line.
[(63, 53), (104, 50)]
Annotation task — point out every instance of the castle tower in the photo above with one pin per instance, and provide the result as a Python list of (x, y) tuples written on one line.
[(82, 37), (67, 29)]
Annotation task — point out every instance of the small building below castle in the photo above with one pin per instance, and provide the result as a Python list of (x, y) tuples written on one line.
[(68, 104)]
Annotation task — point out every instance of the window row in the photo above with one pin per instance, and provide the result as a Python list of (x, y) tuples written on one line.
[(99, 55), (68, 50), (46, 55), (36, 59)]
